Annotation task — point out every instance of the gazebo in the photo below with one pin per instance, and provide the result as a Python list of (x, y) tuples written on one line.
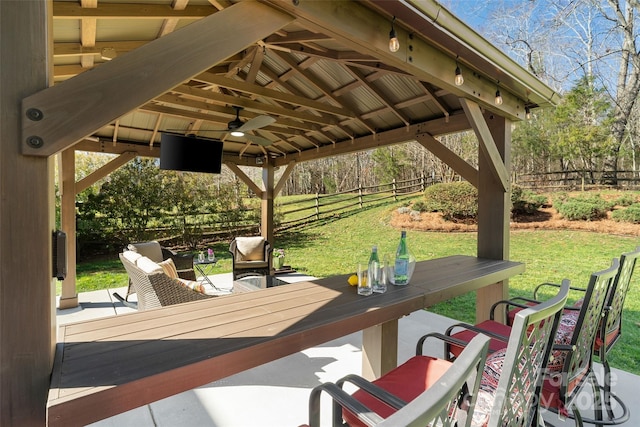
[(112, 77)]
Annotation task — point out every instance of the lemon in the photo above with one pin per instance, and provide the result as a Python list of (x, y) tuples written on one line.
[(353, 280)]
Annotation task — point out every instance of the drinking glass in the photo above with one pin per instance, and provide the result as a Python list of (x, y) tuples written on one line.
[(201, 257), (211, 255), (364, 287), (376, 277)]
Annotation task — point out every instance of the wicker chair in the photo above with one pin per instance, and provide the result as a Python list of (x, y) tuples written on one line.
[(157, 253), (156, 289), (445, 403)]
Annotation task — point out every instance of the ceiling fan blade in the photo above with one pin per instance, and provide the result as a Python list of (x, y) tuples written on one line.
[(256, 123), (258, 140)]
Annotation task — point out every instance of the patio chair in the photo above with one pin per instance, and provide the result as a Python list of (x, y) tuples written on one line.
[(157, 253), (250, 256), (154, 288), (512, 379), (610, 329), (571, 363), (445, 402)]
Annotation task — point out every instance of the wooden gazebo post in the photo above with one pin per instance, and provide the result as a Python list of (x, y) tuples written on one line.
[(27, 322)]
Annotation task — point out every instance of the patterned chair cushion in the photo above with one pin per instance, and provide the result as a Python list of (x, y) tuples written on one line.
[(169, 268)]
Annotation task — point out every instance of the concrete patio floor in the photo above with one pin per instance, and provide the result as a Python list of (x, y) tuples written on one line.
[(276, 394)]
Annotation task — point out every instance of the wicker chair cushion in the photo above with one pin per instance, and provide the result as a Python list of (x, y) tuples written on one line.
[(250, 248), (131, 256), (169, 268), (407, 381), (148, 266), (151, 250), (488, 325)]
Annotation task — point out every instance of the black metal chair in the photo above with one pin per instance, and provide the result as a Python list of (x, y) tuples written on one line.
[(250, 256)]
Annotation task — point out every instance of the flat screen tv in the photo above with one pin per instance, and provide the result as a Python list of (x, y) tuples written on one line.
[(190, 154)]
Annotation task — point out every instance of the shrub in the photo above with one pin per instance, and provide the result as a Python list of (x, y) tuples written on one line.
[(582, 210), (525, 202), (626, 200), (455, 200), (630, 214), (421, 206)]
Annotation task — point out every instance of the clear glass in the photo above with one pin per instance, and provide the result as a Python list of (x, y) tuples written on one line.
[(201, 257), (211, 256), (364, 287), (374, 270)]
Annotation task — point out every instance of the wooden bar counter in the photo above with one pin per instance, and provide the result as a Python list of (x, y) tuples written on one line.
[(108, 366)]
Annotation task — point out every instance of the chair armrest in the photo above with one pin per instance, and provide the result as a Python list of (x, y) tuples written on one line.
[(372, 389), (341, 399), (477, 330), (515, 302), (445, 338), (554, 285)]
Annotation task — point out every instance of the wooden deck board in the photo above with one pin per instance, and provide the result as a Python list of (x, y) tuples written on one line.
[(111, 365)]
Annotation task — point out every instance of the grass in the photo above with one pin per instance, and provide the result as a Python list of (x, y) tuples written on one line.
[(335, 246)]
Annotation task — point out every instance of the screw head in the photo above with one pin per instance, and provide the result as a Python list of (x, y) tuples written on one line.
[(35, 141), (35, 114)]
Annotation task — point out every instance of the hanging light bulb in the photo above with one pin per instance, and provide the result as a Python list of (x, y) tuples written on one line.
[(498, 100), (394, 44), (527, 113), (459, 80)]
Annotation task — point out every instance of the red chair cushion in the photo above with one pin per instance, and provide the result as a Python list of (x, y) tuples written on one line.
[(488, 325), (407, 382)]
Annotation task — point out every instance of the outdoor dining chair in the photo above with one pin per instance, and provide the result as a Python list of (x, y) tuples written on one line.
[(512, 377), (250, 256), (445, 402), (610, 329), (571, 363)]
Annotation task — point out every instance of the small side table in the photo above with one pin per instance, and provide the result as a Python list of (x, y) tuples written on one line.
[(204, 269)]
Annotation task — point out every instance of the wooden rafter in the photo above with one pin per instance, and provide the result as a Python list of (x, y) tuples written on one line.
[(169, 25), (59, 116)]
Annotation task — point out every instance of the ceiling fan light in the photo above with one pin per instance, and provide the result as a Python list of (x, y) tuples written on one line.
[(237, 133)]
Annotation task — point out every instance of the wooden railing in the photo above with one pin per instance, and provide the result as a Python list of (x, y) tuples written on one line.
[(577, 180)]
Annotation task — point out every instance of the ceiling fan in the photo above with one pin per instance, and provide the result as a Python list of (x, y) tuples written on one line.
[(239, 129)]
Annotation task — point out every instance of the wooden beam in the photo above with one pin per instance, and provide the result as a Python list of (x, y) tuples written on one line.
[(487, 144), (266, 205), (283, 178), (244, 178), (254, 89), (494, 208), (67, 172), (254, 105), (62, 49), (55, 118), (366, 30), (103, 171), (457, 163), (27, 220), (73, 10), (456, 123)]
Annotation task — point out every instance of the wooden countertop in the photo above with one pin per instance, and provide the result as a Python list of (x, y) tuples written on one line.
[(108, 366)]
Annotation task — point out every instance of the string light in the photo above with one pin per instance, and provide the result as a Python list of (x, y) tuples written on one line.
[(498, 100), (527, 113), (394, 43), (459, 80)]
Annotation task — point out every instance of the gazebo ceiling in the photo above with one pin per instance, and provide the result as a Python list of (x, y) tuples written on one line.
[(326, 76)]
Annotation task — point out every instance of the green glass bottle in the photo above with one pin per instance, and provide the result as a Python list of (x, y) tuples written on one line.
[(401, 267)]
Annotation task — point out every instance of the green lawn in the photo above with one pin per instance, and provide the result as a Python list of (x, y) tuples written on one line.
[(336, 246)]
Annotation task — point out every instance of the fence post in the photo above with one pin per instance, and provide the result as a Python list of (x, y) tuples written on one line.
[(317, 206), (395, 193), (360, 195)]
